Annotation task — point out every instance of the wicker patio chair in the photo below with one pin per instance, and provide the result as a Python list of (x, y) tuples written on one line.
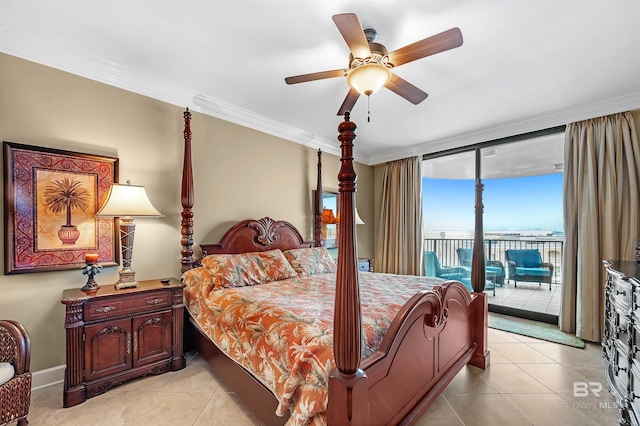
[(15, 394), (495, 266), (432, 268), (527, 265)]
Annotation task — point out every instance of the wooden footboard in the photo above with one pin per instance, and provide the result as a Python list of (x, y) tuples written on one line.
[(434, 333)]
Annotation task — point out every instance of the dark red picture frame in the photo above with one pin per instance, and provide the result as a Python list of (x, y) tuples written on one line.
[(50, 200)]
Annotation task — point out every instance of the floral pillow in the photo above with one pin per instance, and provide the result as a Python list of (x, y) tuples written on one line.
[(311, 261), (244, 269), (198, 284), (275, 265), (233, 270), (197, 277)]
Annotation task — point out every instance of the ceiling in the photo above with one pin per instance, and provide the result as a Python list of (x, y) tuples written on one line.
[(541, 155), (524, 65)]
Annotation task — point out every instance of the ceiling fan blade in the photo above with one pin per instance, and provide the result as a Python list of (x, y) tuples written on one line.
[(405, 89), (351, 30), (315, 76), (349, 101), (446, 40)]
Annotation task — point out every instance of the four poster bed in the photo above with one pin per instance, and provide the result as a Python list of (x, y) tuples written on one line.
[(314, 341)]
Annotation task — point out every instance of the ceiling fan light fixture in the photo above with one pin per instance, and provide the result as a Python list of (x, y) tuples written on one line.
[(367, 79)]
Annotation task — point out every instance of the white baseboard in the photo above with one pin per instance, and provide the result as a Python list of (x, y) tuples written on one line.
[(50, 376)]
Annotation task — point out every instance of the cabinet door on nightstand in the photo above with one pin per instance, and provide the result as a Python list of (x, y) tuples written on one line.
[(107, 348), (152, 338)]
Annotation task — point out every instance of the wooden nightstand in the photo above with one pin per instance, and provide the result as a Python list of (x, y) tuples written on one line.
[(365, 265), (117, 335)]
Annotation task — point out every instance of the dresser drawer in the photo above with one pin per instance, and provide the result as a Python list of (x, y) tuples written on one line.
[(621, 293), (635, 392), (635, 345), (635, 302), (125, 305), (620, 330), (621, 366)]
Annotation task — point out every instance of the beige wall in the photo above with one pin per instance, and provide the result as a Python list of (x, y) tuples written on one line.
[(239, 173)]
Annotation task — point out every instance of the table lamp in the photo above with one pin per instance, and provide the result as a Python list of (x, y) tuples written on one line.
[(126, 202), (358, 220)]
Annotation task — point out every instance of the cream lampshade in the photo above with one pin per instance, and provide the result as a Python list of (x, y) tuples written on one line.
[(367, 79), (126, 202), (358, 220)]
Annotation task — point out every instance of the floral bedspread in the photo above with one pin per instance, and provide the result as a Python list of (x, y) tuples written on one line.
[(282, 331)]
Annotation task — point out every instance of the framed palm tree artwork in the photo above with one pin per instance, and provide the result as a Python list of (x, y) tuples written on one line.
[(51, 199)]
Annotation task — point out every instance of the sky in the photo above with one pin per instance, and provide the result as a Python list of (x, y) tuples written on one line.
[(522, 203)]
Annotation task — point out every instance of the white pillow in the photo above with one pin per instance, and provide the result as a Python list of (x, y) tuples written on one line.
[(6, 372)]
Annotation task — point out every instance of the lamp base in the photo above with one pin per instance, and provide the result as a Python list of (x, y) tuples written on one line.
[(127, 280)]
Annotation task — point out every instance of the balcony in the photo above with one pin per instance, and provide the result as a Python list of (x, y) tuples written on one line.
[(527, 296)]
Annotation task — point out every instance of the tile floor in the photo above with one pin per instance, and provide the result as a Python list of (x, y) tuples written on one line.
[(529, 382), (528, 296)]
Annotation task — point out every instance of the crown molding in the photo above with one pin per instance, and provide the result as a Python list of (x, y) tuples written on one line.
[(225, 111), (46, 53)]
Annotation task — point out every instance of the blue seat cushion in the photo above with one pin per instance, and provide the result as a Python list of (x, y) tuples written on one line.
[(498, 271), (454, 274), (536, 272), (526, 258)]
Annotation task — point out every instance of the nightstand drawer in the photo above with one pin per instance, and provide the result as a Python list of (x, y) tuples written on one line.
[(124, 305)]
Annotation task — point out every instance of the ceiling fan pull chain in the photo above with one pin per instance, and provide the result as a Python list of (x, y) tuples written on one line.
[(369, 109)]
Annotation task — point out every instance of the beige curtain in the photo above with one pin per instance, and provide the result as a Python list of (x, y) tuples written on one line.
[(601, 201), (399, 242)]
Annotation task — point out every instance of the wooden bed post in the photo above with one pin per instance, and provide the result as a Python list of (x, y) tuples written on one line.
[(480, 303), (477, 261), (187, 198), (317, 226), (348, 402)]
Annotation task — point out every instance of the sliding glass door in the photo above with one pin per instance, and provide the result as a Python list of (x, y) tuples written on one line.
[(522, 200)]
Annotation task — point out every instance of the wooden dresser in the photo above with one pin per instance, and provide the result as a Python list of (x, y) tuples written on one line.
[(117, 335), (621, 342)]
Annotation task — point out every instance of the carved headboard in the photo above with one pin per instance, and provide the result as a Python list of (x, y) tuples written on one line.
[(258, 235)]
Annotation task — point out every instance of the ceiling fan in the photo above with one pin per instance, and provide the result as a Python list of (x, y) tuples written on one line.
[(370, 63)]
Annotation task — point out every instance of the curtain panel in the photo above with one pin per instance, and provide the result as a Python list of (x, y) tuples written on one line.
[(601, 203), (399, 241)]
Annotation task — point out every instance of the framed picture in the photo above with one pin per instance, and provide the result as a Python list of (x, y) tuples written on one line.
[(50, 201)]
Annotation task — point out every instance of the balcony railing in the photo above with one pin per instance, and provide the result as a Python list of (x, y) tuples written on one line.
[(550, 250)]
